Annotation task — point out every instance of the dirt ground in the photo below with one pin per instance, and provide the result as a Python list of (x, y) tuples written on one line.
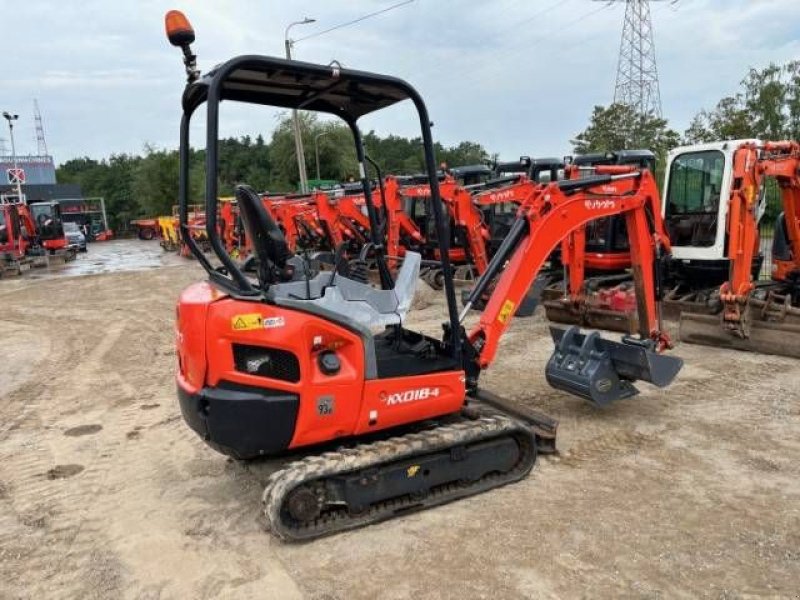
[(105, 493)]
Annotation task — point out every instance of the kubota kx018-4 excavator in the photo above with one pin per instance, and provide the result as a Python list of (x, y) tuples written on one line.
[(289, 359)]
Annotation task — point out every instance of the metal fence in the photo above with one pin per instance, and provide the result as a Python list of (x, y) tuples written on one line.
[(766, 228)]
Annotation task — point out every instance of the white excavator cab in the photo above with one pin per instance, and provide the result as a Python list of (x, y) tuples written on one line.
[(695, 204)]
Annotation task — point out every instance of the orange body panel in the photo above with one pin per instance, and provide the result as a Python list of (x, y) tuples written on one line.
[(205, 358), (400, 400), (461, 207)]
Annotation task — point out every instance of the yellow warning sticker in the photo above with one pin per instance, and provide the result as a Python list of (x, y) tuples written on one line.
[(506, 311), (246, 322), (412, 471)]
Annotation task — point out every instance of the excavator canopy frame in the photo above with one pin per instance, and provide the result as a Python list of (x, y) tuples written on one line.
[(346, 93)]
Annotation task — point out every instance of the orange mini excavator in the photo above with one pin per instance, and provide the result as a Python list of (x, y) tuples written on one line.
[(285, 358), (20, 247), (50, 229)]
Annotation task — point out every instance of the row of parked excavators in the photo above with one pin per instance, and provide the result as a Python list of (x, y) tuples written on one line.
[(712, 229), (297, 338), (31, 235)]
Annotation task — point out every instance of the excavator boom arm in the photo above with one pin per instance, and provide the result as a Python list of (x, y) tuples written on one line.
[(752, 164), (547, 217)]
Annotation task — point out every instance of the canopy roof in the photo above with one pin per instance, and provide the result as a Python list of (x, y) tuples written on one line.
[(267, 80)]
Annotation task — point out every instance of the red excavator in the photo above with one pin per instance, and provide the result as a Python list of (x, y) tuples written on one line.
[(401, 231), (285, 358), (50, 229), (19, 245), (606, 299), (714, 201), (297, 218)]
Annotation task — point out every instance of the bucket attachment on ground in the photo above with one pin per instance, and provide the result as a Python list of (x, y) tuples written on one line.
[(602, 371)]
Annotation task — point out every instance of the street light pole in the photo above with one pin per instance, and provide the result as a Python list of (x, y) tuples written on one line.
[(11, 118), (316, 149), (298, 139)]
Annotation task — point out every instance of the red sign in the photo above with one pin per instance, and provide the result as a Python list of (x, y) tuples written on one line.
[(16, 176)]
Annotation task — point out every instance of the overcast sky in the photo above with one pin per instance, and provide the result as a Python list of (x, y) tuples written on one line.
[(519, 76)]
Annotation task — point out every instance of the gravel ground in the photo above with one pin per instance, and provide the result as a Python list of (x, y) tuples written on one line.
[(105, 493)]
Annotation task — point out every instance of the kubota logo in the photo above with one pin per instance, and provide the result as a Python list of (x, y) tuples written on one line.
[(409, 396), (599, 204), (422, 190), (502, 196)]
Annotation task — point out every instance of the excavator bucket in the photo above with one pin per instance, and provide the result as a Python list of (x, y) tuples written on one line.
[(766, 337), (602, 371)]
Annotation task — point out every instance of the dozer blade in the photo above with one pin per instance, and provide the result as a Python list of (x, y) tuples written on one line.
[(612, 320), (602, 371), (766, 337), (563, 311)]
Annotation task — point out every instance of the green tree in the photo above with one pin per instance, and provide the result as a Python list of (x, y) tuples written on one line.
[(767, 107), (147, 185), (619, 126), (111, 179), (729, 120), (155, 181), (465, 153)]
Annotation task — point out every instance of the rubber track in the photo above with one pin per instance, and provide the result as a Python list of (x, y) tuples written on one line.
[(367, 456)]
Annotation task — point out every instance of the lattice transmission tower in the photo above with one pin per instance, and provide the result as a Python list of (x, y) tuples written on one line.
[(637, 74), (41, 144)]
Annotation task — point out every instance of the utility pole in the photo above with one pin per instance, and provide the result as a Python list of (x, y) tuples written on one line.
[(11, 118), (316, 149), (298, 138), (637, 76)]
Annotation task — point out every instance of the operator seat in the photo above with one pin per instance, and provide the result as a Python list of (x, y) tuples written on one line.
[(268, 242), (361, 308), (341, 299)]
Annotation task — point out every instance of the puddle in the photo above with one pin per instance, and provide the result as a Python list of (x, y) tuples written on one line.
[(107, 257)]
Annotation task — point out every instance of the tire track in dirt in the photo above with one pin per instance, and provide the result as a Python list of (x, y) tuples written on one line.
[(62, 506), (124, 364), (608, 446)]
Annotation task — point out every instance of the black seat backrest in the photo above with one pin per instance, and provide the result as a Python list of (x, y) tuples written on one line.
[(265, 235)]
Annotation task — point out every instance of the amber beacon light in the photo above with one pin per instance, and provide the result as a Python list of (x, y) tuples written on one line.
[(181, 34), (179, 30)]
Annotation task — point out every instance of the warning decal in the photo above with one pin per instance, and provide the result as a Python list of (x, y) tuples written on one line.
[(506, 311), (246, 322), (272, 322)]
